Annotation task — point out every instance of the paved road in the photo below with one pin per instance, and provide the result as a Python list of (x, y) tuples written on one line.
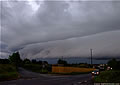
[(31, 78)]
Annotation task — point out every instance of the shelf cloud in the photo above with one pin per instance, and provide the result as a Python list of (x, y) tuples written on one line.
[(45, 29)]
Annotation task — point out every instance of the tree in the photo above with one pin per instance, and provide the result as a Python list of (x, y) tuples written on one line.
[(60, 61), (15, 59), (45, 62), (26, 61), (114, 64), (34, 61), (40, 62)]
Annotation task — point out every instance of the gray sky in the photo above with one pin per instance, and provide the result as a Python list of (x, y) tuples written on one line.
[(44, 29)]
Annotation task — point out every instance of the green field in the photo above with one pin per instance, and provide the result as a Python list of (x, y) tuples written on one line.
[(108, 77), (8, 72)]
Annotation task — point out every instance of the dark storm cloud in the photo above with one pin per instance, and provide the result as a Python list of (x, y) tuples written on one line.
[(50, 24)]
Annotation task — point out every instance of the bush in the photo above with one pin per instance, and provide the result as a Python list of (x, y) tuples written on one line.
[(7, 68), (9, 75), (114, 64), (7, 72), (33, 67), (4, 61), (37, 68), (108, 76)]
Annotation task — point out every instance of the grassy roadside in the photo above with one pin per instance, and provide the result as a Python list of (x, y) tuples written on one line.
[(108, 77), (8, 72), (35, 68)]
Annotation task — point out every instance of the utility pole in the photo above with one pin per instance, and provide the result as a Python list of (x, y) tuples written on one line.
[(62, 57), (91, 55)]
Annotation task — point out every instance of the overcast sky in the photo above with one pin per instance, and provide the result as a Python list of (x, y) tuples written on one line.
[(45, 29)]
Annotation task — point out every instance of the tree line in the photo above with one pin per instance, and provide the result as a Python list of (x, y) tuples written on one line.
[(15, 60)]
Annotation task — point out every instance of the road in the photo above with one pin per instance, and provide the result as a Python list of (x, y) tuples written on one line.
[(31, 78)]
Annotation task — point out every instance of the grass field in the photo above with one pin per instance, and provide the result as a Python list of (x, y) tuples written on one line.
[(8, 72), (69, 70), (108, 77)]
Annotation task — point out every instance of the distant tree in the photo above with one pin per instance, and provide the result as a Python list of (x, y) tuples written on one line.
[(26, 61), (118, 65), (40, 62), (15, 59), (114, 64), (60, 61), (34, 61), (45, 62)]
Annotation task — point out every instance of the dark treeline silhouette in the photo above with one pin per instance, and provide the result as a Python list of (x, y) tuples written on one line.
[(65, 63), (33, 65), (15, 60), (39, 62), (61, 61), (4, 61), (115, 64), (26, 61)]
